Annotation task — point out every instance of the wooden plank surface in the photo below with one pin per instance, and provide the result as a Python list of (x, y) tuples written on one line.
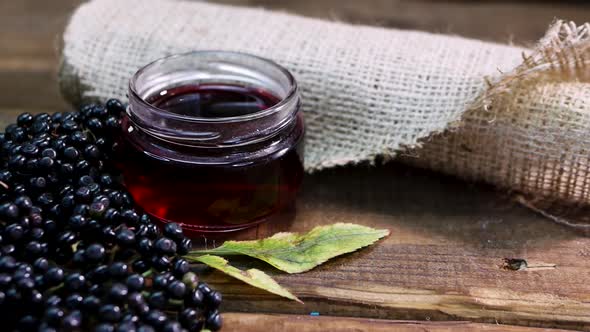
[(521, 22), (293, 323), (443, 260), (449, 238)]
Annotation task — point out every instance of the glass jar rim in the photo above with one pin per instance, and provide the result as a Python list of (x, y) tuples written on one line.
[(290, 95)]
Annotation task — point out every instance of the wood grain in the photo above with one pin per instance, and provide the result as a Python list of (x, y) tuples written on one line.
[(442, 261), (521, 22), (293, 323)]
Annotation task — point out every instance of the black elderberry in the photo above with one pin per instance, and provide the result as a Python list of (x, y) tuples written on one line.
[(40, 127), (25, 284), (140, 266), (83, 195), (74, 301), (78, 138), (176, 289), (77, 222), (135, 282), (214, 321), (204, 288), (17, 162), (156, 318), (79, 259), (158, 300), (145, 219), (75, 282), (67, 238), (29, 150), (54, 315), (33, 249), (180, 267), (110, 313), (45, 200), (69, 126), (173, 231), (108, 234), (9, 211), (6, 177), (130, 217), (35, 298), (23, 202), (41, 265), (81, 209), (112, 123), (125, 237), (13, 232), (5, 280), (118, 293), (28, 323), (46, 163), (165, 246), (92, 152), (97, 210), (98, 111), (195, 298), (115, 107), (53, 301), (66, 169), (24, 120), (161, 280), (160, 263), (72, 321), (172, 327), (213, 299), (49, 153), (111, 216), (95, 125), (90, 303), (118, 270), (42, 117), (36, 233), (95, 253), (49, 226), (8, 249), (135, 300), (61, 207), (71, 153), (37, 183), (68, 202), (188, 316), (7, 264)]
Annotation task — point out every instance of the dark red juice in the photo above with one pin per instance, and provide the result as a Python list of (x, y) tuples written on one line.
[(217, 196)]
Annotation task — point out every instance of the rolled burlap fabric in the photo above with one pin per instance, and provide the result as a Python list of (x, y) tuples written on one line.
[(367, 91)]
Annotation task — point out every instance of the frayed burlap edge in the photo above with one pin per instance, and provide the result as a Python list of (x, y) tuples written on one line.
[(562, 55)]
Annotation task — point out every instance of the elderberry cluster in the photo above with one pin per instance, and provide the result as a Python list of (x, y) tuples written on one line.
[(75, 255)]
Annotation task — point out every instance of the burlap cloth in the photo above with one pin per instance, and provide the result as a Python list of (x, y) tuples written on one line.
[(434, 101)]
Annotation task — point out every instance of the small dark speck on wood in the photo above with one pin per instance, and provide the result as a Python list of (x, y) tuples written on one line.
[(514, 264), (519, 264)]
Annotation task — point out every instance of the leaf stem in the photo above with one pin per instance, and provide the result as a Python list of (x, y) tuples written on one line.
[(217, 251)]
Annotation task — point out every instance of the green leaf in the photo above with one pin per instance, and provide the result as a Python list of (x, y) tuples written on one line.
[(296, 253), (252, 277)]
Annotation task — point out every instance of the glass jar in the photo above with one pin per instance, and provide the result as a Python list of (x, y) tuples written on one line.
[(213, 140)]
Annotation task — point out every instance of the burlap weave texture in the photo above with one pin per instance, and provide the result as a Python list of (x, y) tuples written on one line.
[(367, 91)]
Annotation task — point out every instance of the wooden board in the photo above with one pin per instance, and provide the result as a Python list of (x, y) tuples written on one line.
[(293, 323), (442, 262), (521, 22), (449, 238)]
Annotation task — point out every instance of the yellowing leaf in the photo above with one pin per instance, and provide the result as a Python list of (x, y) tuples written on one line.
[(296, 253), (252, 277)]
